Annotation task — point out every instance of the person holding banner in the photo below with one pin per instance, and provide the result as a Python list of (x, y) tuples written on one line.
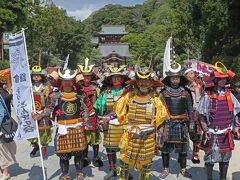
[(218, 111), (71, 115), (174, 131), (196, 90), (40, 93)]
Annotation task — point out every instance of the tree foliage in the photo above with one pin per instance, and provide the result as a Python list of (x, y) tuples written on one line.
[(13, 14), (204, 30)]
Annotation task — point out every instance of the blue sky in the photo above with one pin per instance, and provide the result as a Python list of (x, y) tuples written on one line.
[(81, 9)]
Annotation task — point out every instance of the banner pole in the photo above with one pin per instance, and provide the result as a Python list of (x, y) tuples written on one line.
[(34, 109)]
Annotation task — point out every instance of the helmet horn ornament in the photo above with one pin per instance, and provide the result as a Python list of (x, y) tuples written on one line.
[(86, 68)]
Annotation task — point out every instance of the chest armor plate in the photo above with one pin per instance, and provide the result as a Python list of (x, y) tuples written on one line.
[(111, 99), (68, 109), (141, 111), (40, 98), (220, 115), (176, 102)]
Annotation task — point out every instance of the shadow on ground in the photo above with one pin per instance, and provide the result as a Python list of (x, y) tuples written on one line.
[(236, 175), (16, 170)]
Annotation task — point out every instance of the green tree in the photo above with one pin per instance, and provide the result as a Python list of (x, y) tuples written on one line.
[(13, 14), (45, 23)]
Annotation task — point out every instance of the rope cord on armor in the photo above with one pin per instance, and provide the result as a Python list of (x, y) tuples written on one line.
[(135, 141)]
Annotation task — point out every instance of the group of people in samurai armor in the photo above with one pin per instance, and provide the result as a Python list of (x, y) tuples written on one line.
[(138, 116)]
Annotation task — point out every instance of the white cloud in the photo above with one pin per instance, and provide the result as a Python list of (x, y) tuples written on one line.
[(82, 13)]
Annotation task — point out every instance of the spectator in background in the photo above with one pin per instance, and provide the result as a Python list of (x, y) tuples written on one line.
[(7, 150), (237, 91), (5, 94)]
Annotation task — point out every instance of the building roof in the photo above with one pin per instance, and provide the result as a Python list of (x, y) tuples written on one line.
[(113, 29), (122, 49)]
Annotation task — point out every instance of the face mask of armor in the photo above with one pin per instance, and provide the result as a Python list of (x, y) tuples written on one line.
[(144, 85), (116, 80), (221, 83), (87, 80), (144, 89), (119, 83)]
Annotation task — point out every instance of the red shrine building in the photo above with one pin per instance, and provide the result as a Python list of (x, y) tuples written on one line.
[(108, 41)]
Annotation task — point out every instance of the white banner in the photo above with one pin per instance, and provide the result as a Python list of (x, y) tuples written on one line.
[(66, 63), (167, 57), (21, 85)]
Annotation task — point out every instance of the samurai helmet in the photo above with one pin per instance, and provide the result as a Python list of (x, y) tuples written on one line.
[(188, 70), (146, 73), (54, 75), (53, 78), (116, 70), (38, 70), (221, 71), (111, 71), (67, 74), (86, 69), (175, 69)]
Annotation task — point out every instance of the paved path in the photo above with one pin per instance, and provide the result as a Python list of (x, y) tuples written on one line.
[(30, 169)]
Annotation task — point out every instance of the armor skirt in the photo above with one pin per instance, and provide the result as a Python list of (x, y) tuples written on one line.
[(113, 136), (74, 140), (137, 151), (175, 136)]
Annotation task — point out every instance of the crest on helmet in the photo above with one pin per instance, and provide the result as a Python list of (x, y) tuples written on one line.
[(221, 71), (67, 74), (145, 72), (86, 69), (38, 70), (175, 69), (116, 70)]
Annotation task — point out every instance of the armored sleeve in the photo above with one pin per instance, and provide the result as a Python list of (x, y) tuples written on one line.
[(121, 107), (236, 111), (189, 106), (51, 104), (161, 111), (84, 108), (203, 111)]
